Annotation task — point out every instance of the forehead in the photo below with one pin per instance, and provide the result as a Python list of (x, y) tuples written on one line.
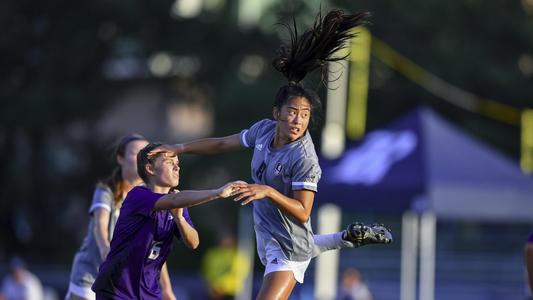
[(166, 156), (298, 103)]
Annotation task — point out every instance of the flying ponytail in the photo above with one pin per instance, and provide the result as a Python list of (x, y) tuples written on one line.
[(313, 50)]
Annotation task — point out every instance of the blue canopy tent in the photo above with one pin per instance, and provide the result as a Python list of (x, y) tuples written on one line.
[(426, 168), (422, 162)]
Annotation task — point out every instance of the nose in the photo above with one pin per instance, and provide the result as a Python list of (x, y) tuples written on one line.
[(298, 119)]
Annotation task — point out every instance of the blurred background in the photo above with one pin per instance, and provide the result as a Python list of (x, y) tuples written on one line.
[(458, 74)]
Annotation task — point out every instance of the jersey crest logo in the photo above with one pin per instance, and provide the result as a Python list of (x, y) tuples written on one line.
[(259, 147), (274, 261), (278, 169)]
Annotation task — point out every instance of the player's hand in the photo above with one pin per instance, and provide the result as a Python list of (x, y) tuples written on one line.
[(230, 189), (177, 212), (252, 192), (172, 150)]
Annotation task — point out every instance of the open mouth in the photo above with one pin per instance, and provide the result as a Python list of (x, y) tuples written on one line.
[(295, 130)]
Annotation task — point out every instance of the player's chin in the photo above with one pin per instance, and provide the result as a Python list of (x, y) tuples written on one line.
[(294, 136), (173, 182)]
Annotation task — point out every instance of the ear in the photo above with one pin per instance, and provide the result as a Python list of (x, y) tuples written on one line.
[(150, 169), (275, 113), (120, 160)]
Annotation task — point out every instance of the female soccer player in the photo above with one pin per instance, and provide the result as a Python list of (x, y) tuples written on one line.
[(149, 218), (104, 211), (285, 166)]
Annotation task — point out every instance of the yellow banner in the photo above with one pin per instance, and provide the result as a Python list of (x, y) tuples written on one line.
[(444, 90), (358, 84), (526, 161)]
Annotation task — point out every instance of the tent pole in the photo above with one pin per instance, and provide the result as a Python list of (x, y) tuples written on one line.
[(428, 228), (327, 263), (409, 255), (247, 247)]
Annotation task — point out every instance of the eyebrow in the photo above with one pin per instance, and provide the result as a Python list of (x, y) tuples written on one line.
[(296, 108), (170, 158)]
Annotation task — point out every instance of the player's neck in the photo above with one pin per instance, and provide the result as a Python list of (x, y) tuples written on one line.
[(158, 188), (128, 184), (279, 141)]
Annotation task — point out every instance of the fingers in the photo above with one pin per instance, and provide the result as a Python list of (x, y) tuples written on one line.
[(242, 195), (244, 192), (240, 182), (234, 191), (166, 149), (248, 200)]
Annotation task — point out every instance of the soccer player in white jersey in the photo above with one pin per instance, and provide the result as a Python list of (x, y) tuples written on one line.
[(285, 167)]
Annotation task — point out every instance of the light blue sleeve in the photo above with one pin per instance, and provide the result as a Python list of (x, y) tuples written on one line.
[(306, 173), (249, 136), (102, 198)]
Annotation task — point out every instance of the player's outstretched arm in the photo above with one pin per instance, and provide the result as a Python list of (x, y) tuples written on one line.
[(204, 146), (192, 198)]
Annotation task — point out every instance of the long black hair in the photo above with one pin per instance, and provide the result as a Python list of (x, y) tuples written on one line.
[(115, 181), (311, 51)]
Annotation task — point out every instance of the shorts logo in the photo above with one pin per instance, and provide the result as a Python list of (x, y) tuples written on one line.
[(170, 217), (278, 169), (259, 147), (274, 261)]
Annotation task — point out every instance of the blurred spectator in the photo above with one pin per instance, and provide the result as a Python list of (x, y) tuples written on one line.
[(20, 283), (528, 255), (353, 286), (225, 268)]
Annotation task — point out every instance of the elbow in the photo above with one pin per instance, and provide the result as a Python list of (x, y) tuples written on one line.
[(303, 218), (194, 245), (192, 242)]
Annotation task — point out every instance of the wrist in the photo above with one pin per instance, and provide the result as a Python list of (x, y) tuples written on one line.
[(179, 148), (218, 192), (270, 192)]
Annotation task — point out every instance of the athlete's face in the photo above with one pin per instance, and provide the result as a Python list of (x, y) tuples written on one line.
[(167, 170), (293, 119), (128, 162)]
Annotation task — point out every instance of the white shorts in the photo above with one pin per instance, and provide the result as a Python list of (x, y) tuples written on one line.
[(274, 260), (80, 291)]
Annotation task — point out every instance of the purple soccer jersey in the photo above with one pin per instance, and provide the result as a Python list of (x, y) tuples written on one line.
[(140, 246)]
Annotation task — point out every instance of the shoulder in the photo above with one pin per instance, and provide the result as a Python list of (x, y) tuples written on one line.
[(305, 149), (102, 198), (265, 123), (102, 188), (264, 126), (139, 191)]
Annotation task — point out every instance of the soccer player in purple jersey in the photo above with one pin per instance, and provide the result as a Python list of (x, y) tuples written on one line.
[(285, 167), (104, 212), (150, 217)]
